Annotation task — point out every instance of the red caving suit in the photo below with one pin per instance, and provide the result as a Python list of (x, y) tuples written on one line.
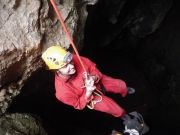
[(70, 91)]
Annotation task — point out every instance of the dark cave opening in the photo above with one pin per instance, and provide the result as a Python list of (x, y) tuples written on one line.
[(140, 61)]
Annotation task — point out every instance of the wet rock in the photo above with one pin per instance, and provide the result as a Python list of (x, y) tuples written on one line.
[(20, 124), (2, 95), (124, 20), (148, 16)]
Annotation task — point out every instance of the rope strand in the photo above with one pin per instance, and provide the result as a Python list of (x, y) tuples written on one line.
[(60, 18)]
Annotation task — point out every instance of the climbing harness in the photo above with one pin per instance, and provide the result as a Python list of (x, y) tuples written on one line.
[(93, 102), (60, 18)]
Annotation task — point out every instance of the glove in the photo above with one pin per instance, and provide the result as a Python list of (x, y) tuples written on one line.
[(89, 84)]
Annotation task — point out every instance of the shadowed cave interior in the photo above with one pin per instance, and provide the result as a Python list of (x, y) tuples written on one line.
[(126, 56)]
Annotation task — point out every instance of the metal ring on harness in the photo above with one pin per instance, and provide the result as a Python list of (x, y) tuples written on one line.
[(93, 102)]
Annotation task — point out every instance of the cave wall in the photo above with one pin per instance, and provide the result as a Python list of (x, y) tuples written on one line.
[(109, 21), (145, 31), (159, 58)]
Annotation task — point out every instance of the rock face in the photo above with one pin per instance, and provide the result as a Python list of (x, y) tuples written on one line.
[(20, 124), (160, 61), (115, 19), (26, 29), (19, 45)]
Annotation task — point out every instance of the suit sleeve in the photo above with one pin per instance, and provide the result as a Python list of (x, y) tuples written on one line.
[(114, 85), (111, 84), (67, 96), (92, 68)]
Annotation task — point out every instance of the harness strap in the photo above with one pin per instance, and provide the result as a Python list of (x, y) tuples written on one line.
[(93, 102)]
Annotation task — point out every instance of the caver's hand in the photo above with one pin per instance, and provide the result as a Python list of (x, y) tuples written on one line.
[(89, 84), (94, 77), (89, 81)]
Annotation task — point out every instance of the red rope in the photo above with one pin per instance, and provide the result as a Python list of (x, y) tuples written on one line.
[(66, 32)]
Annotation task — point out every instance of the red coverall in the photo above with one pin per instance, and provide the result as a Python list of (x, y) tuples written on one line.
[(71, 92)]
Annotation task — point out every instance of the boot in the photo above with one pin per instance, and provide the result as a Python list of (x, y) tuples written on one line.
[(131, 90), (134, 124)]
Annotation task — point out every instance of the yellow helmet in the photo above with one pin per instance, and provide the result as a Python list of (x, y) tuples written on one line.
[(56, 57)]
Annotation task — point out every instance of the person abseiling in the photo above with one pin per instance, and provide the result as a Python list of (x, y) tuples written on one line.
[(79, 89)]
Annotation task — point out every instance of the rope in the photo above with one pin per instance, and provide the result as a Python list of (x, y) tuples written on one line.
[(60, 18)]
